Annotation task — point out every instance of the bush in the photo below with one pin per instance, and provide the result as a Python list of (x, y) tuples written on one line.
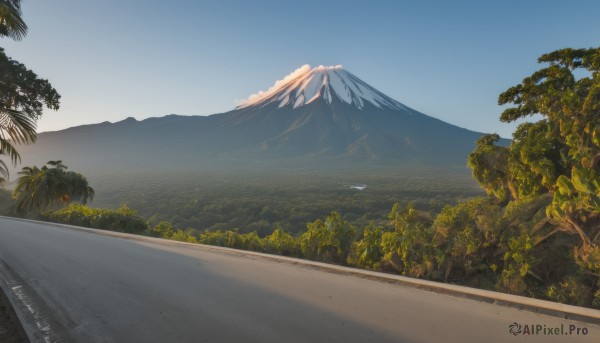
[(281, 243), (122, 219), (167, 231), (329, 240), (368, 251)]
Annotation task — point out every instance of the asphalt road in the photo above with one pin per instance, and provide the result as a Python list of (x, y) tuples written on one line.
[(87, 287)]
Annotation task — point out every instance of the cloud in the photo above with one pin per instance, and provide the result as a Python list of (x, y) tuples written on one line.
[(254, 98), (322, 67)]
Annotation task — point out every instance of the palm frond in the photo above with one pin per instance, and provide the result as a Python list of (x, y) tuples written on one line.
[(11, 20), (57, 164), (18, 126), (3, 172), (15, 127), (8, 149), (3, 169), (41, 188)]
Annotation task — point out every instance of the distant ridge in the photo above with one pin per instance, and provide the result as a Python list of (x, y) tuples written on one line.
[(323, 117)]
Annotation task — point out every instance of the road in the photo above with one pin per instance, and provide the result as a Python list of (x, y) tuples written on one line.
[(95, 288)]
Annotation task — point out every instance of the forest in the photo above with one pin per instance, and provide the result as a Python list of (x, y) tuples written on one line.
[(259, 201)]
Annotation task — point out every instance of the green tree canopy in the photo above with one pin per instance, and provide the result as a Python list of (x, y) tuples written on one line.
[(556, 157), (571, 108), (489, 164), (329, 240), (42, 188), (22, 98)]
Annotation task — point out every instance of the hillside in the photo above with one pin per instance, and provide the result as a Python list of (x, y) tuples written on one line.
[(319, 118)]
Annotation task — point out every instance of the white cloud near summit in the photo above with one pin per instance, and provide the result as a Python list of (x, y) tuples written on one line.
[(278, 84)]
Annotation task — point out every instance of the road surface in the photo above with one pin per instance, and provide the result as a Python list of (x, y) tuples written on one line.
[(87, 287)]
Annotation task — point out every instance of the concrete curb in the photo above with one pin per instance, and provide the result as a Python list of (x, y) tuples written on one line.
[(543, 307)]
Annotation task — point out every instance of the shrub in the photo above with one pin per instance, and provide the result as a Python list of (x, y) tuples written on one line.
[(122, 219)]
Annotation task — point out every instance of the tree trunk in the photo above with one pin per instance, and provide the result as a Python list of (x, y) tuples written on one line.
[(513, 191), (584, 237)]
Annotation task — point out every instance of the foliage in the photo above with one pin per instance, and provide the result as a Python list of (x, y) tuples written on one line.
[(22, 98), (167, 231), (328, 240), (262, 201), (518, 261), (368, 251), (535, 159), (489, 164), (466, 238), (281, 243), (11, 20), (572, 290), (476, 243), (558, 158), (232, 239), (410, 242), (22, 94), (46, 187), (122, 219), (528, 168), (571, 108)]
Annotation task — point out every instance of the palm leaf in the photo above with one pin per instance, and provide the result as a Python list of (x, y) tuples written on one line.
[(11, 20), (41, 188), (3, 172), (15, 127)]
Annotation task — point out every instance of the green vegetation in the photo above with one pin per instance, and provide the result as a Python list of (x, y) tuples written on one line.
[(11, 20), (260, 201), (49, 187), (122, 219), (22, 94), (476, 243)]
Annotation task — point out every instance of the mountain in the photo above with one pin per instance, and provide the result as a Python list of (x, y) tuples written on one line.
[(306, 85), (317, 117)]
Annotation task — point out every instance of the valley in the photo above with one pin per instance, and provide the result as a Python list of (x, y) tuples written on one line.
[(262, 200)]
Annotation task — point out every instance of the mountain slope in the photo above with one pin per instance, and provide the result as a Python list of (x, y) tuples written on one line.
[(313, 116)]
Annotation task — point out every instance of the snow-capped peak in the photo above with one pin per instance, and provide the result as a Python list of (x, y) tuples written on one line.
[(307, 84)]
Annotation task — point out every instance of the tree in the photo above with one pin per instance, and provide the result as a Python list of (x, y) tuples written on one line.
[(368, 252), (11, 21), (528, 168), (42, 188), (489, 164), (282, 243), (408, 248), (22, 94), (22, 98), (571, 107), (535, 159), (329, 240)]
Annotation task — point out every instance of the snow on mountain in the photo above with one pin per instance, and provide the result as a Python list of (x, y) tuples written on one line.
[(307, 84)]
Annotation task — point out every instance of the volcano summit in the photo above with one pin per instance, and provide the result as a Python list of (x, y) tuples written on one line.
[(306, 85)]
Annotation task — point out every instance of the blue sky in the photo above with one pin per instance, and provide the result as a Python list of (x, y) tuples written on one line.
[(144, 58)]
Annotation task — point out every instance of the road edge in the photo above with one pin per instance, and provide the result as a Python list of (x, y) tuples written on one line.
[(538, 306), (36, 320), (12, 314)]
